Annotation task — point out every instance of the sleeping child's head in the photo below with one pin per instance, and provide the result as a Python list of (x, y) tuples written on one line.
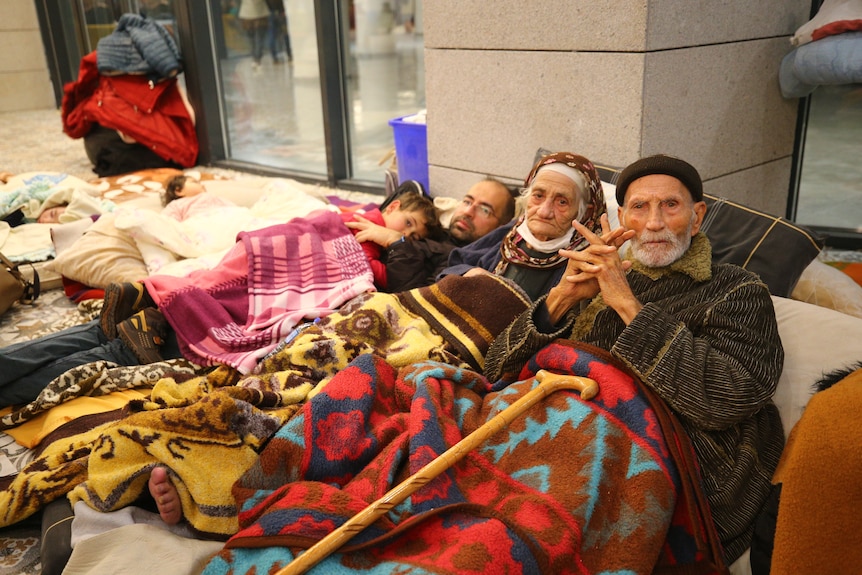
[(412, 214), (52, 215), (181, 187)]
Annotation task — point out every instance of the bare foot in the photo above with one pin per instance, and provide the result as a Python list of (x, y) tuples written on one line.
[(166, 496)]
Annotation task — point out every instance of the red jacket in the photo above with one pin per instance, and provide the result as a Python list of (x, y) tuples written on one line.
[(373, 252), (154, 114)]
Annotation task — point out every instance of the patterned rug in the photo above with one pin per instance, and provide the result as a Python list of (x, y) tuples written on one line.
[(20, 544), (53, 311), (20, 549)]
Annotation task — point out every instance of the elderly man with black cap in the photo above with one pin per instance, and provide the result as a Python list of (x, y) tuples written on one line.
[(702, 335)]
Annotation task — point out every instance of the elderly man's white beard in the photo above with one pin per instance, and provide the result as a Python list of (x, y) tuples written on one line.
[(664, 254)]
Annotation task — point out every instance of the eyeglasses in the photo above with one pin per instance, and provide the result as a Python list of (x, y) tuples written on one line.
[(484, 209)]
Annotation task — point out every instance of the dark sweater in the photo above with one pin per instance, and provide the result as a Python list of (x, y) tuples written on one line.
[(485, 253), (415, 263), (707, 342)]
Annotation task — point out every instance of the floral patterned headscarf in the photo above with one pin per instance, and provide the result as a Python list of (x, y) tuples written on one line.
[(512, 246)]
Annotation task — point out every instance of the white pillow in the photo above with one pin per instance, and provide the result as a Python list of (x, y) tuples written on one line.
[(833, 17), (244, 192), (827, 286), (816, 340)]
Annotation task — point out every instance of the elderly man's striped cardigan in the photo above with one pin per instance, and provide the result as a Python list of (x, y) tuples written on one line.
[(707, 342)]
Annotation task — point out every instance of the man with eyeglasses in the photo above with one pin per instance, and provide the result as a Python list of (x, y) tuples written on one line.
[(487, 205)]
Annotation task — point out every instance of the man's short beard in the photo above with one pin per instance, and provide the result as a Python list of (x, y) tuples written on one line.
[(462, 235), (657, 257)]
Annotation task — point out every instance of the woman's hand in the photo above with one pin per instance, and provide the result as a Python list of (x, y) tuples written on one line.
[(371, 232)]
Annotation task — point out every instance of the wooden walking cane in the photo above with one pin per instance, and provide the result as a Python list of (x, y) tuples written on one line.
[(548, 383)]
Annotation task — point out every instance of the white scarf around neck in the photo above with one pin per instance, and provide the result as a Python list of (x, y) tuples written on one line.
[(547, 246)]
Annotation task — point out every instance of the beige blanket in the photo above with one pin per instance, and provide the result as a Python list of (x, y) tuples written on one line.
[(140, 548)]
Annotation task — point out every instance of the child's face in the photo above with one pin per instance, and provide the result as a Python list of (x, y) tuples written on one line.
[(412, 224), (190, 188), (51, 215)]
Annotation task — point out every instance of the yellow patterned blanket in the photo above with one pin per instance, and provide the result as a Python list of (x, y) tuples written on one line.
[(209, 429)]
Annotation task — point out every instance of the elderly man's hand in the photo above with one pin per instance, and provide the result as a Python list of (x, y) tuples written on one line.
[(596, 268), (371, 232)]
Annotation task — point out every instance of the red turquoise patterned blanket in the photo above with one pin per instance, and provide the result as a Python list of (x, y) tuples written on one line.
[(569, 487)]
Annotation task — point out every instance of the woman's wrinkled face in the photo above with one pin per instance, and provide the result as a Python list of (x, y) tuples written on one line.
[(552, 204)]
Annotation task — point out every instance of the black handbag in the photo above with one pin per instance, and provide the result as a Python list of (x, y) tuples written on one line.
[(14, 286)]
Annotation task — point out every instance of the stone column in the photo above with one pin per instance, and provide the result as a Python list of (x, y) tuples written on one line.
[(612, 80), (24, 80)]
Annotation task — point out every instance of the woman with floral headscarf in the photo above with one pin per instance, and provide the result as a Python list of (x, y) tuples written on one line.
[(561, 187)]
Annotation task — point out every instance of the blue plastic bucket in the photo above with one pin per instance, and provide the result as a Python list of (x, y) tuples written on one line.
[(411, 150)]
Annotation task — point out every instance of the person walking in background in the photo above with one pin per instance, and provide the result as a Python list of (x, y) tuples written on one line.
[(254, 18), (100, 12), (279, 34)]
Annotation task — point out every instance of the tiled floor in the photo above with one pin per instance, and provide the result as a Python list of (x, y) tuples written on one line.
[(33, 141)]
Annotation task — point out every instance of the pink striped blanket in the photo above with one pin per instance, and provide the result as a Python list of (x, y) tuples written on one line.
[(270, 281)]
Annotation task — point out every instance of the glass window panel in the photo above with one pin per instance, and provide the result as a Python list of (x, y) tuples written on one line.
[(386, 77), (830, 188), (270, 93), (101, 16), (272, 103)]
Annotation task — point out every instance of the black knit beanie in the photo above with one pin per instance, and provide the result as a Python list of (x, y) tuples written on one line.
[(660, 164)]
